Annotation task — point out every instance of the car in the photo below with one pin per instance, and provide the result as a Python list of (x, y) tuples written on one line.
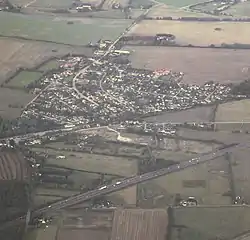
[(117, 183), (101, 188)]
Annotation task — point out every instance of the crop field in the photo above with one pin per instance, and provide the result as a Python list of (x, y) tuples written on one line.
[(60, 30), (28, 54), (77, 234), (49, 233), (91, 162), (237, 111), (210, 222), (180, 3), (55, 4), (235, 67), (41, 200), (207, 183), (194, 32), (126, 197), (241, 9), (139, 224), (41, 191), (108, 3), (23, 79), (226, 137), (169, 11), (198, 114), (15, 98), (179, 150), (240, 166), (52, 64)]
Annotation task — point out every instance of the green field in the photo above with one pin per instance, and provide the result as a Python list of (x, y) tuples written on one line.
[(52, 64), (24, 78), (78, 32), (181, 3), (240, 9), (43, 3)]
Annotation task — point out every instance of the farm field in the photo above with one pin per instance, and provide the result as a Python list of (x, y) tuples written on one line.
[(207, 183), (39, 200), (29, 54), (52, 64), (194, 32), (15, 98), (179, 150), (180, 3), (187, 60), (170, 11), (241, 9), (108, 3), (23, 79), (210, 222), (240, 166), (199, 114), (139, 224), (226, 137), (77, 234), (48, 234), (56, 4), (58, 30), (54, 192), (126, 197), (91, 162), (237, 111)]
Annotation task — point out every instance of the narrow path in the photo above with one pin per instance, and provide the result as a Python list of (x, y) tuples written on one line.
[(30, 3)]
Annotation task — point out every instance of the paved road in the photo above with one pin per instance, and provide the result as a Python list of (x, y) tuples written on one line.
[(136, 179), (103, 190)]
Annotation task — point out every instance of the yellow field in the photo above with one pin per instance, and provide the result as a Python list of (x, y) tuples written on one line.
[(194, 32)]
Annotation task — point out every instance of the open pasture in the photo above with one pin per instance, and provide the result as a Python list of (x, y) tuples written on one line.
[(180, 3), (77, 234), (29, 54), (194, 32), (77, 31), (53, 4), (17, 98), (236, 113), (23, 79), (240, 166), (198, 114), (170, 11), (220, 222), (94, 163), (241, 9), (218, 65)]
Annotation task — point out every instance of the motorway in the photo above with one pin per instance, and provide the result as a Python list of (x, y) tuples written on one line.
[(103, 190), (127, 182)]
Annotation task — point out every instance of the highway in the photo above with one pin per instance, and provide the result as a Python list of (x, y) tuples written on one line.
[(103, 190), (127, 182)]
